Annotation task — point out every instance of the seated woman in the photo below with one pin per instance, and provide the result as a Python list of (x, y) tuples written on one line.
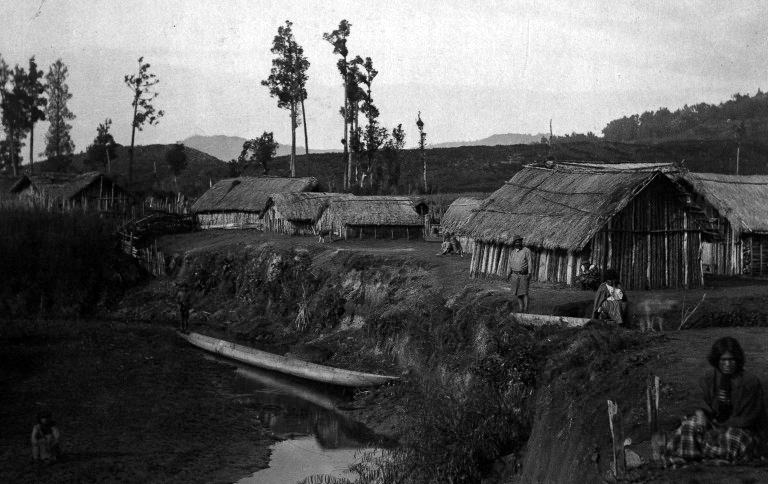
[(729, 414), (446, 247), (610, 300), (45, 438)]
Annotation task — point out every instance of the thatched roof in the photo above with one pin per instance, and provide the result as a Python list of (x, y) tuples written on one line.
[(742, 200), (663, 167), (248, 194), (60, 186), (555, 208), (373, 211), (458, 213), (303, 206)]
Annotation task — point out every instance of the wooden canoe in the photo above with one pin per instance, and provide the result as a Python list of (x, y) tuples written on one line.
[(543, 319), (284, 364)]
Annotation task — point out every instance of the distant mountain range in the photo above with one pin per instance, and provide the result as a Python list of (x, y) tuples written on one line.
[(227, 148), (495, 140)]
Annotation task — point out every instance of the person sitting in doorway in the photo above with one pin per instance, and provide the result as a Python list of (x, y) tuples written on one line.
[(456, 245), (611, 303), (45, 438), (728, 418), (446, 247)]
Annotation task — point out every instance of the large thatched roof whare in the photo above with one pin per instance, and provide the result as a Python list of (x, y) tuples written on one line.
[(248, 194), (458, 214), (372, 211), (742, 200), (302, 206), (561, 208)]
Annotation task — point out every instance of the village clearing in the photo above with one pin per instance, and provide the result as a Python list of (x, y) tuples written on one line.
[(123, 423)]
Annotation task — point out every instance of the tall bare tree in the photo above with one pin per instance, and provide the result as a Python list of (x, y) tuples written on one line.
[(58, 142), (338, 39), (287, 78), (142, 86)]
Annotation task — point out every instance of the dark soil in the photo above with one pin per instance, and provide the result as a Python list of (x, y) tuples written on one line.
[(133, 401)]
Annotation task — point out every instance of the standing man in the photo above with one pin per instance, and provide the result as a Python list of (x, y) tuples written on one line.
[(183, 296), (520, 265)]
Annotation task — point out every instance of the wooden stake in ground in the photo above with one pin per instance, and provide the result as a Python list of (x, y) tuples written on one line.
[(652, 404), (686, 317), (617, 436)]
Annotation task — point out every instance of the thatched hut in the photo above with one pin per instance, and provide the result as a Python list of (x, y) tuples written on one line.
[(456, 216), (737, 205), (297, 213), (91, 191), (374, 216), (240, 202), (631, 221)]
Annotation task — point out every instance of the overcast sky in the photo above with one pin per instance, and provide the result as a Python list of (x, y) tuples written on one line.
[(473, 69)]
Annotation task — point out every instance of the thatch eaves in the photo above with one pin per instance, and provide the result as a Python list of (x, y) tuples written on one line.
[(373, 211), (303, 206), (742, 200), (458, 214), (556, 208), (248, 194), (59, 186)]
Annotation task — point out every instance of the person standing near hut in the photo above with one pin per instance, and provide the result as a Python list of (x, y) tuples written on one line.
[(183, 297), (45, 438), (520, 265)]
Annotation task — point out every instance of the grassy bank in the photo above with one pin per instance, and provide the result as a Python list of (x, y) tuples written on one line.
[(58, 265)]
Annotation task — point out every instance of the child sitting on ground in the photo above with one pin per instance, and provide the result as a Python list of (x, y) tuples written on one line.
[(45, 438)]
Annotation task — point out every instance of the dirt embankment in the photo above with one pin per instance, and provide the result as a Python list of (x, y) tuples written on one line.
[(323, 302)]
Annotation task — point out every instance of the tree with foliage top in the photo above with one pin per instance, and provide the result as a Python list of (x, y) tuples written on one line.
[(259, 150), (102, 152), (392, 152), (58, 142), (176, 159), (13, 119), (422, 142), (142, 86), (33, 102), (287, 79), (338, 39)]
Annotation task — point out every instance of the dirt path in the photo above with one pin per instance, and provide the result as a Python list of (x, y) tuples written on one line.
[(134, 403)]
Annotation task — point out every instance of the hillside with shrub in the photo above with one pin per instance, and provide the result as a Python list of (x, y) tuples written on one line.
[(202, 170), (742, 117), (449, 170)]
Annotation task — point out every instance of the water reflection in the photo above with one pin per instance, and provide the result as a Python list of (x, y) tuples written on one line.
[(293, 407)]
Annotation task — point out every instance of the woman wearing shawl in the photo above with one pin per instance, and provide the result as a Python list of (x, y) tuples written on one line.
[(729, 413), (611, 300)]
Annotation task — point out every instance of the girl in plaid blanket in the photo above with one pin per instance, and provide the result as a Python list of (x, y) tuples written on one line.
[(729, 412)]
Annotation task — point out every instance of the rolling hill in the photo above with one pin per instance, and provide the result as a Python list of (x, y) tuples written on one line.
[(449, 170), (228, 148)]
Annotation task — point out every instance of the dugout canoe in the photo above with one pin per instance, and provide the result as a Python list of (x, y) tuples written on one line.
[(287, 365), (543, 319)]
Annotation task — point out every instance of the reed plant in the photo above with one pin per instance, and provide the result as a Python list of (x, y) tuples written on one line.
[(53, 264)]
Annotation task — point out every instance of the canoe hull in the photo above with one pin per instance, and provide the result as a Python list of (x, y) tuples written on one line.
[(284, 364), (543, 319)]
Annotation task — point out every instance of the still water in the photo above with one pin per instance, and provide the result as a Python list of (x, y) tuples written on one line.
[(319, 439)]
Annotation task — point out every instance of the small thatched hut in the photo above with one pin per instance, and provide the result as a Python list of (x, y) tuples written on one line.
[(456, 216), (297, 213), (91, 191), (627, 220), (738, 207), (374, 216), (240, 202)]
